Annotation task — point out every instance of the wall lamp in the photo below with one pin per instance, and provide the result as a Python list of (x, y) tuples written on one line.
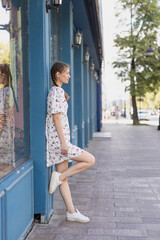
[(95, 75), (77, 39), (92, 67), (6, 4), (86, 56), (55, 4), (150, 50)]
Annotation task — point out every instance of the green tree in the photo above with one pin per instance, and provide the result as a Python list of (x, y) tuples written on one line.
[(4, 53), (133, 65)]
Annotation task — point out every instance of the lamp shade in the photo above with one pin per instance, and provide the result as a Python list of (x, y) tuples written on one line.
[(57, 3), (150, 50), (95, 74), (78, 38), (92, 66), (86, 56)]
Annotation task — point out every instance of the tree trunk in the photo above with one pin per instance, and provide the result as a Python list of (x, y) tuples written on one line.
[(135, 115), (134, 104)]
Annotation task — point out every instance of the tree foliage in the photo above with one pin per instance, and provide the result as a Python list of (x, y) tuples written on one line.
[(4, 53), (132, 64)]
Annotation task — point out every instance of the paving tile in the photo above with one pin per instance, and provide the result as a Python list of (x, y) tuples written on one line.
[(127, 209), (130, 226), (120, 193), (153, 233), (67, 236), (101, 238), (149, 209), (129, 214), (41, 236), (151, 220), (117, 232), (154, 214), (135, 238)]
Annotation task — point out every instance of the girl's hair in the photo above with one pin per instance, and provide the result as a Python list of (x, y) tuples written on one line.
[(58, 67)]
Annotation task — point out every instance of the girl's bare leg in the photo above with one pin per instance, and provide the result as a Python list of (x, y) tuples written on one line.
[(84, 161), (64, 188)]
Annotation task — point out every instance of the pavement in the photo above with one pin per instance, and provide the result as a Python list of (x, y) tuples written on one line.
[(120, 193)]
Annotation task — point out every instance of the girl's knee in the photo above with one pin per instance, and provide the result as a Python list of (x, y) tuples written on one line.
[(65, 180), (92, 160)]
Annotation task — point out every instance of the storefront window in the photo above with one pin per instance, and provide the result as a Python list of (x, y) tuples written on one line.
[(56, 43), (14, 137)]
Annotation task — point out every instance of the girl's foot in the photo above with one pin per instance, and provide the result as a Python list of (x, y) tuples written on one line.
[(77, 217), (54, 182)]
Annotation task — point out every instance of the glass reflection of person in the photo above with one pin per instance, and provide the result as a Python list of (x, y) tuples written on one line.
[(6, 118)]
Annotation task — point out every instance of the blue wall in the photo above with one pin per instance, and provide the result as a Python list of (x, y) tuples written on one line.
[(16, 203), (79, 93), (25, 191), (39, 78)]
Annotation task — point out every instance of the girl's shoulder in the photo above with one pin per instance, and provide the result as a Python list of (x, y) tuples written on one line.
[(56, 90)]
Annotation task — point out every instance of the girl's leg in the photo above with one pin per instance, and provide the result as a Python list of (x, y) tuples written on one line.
[(64, 188), (84, 161)]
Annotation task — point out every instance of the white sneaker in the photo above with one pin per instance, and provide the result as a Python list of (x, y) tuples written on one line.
[(77, 217), (54, 182)]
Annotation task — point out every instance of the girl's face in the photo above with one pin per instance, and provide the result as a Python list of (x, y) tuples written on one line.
[(63, 77)]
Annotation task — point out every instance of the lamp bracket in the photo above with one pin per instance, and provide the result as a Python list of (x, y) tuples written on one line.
[(49, 6), (75, 45)]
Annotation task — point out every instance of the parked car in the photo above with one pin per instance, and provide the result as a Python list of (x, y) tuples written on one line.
[(144, 114)]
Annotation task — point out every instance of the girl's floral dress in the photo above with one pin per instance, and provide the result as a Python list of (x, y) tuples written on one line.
[(56, 103)]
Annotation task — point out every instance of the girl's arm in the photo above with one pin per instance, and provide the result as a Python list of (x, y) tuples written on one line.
[(59, 128)]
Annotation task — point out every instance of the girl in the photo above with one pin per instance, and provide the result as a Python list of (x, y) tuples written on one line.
[(59, 149)]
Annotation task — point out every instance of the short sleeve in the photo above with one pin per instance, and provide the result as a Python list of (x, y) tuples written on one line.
[(55, 100)]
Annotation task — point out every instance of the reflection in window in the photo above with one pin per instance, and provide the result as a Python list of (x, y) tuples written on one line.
[(12, 139), (56, 45)]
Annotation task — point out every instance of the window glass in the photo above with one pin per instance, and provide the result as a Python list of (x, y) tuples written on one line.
[(14, 137), (56, 45)]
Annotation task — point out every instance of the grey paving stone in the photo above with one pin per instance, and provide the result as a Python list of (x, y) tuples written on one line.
[(149, 209), (127, 209), (151, 214), (149, 202), (69, 237), (130, 226), (152, 227), (102, 238), (41, 236), (117, 232), (142, 190), (117, 219), (151, 220), (135, 238), (101, 212), (129, 214), (120, 193), (153, 233)]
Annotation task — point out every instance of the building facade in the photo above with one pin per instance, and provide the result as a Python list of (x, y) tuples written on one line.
[(32, 38)]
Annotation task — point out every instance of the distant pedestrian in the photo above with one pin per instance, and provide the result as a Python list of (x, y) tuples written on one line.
[(60, 151), (116, 112)]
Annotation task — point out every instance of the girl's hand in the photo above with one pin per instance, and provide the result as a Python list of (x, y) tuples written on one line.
[(64, 148)]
